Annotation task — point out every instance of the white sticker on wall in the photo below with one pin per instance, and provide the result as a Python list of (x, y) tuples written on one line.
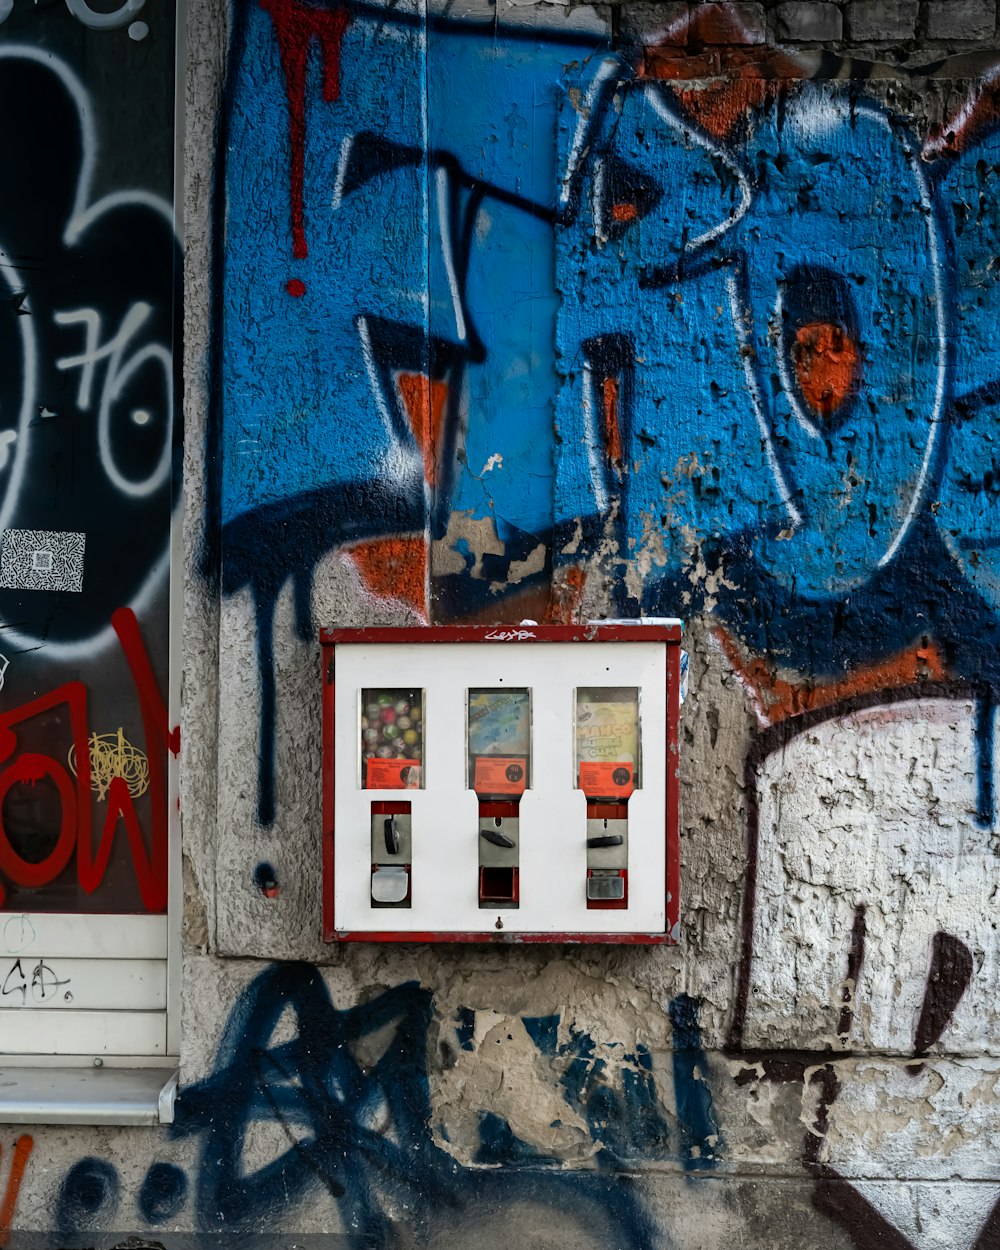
[(42, 560)]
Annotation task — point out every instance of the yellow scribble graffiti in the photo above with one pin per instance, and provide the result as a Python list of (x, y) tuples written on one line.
[(111, 756)]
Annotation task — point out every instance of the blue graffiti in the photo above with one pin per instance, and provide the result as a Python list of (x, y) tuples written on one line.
[(88, 1198), (349, 1091), (702, 1143), (163, 1193), (349, 1094), (529, 289), (629, 1124)]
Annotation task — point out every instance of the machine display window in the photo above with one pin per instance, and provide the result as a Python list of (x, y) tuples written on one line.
[(498, 728), (392, 739), (608, 741)]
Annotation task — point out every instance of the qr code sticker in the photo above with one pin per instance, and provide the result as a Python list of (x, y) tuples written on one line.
[(42, 560)]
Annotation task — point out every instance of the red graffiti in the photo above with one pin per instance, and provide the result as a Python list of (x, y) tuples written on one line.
[(612, 422), (826, 366), (75, 799), (22, 1149), (295, 26)]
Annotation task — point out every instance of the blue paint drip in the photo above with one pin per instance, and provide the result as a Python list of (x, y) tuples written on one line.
[(985, 733), (700, 1137), (264, 877)]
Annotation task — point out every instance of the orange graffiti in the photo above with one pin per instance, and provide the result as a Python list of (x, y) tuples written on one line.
[(826, 365), (395, 568), (567, 596), (612, 425), (778, 698), (624, 212), (425, 403), (22, 1149), (734, 73), (978, 114)]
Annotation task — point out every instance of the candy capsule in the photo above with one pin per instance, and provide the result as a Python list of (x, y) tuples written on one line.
[(388, 716)]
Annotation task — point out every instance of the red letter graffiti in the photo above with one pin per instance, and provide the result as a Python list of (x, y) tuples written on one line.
[(30, 769), (75, 826)]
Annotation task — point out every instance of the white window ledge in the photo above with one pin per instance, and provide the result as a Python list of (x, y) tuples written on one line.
[(87, 1095)]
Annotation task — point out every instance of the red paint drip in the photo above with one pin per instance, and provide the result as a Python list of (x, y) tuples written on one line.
[(296, 287), (22, 1149), (295, 25)]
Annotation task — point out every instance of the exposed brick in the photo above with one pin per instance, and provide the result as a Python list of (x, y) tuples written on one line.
[(961, 19), (728, 24), (809, 20), (660, 25), (874, 21)]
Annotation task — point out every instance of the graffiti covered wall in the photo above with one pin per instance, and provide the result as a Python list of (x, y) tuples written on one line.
[(548, 312), (651, 349)]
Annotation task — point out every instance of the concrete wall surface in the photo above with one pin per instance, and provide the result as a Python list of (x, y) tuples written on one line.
[(498, 310)]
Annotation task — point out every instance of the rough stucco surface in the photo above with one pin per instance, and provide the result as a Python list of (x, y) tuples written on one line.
[(817, 1063)]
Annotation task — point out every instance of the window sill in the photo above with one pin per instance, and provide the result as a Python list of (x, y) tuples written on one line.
[(87, 1095)]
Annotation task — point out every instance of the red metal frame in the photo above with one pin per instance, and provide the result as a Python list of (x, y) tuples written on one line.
[(594, 632), (673, 781), (639, 632), (329, 737)]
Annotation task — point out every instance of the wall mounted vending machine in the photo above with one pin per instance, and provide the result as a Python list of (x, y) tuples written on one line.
[(501, 783)]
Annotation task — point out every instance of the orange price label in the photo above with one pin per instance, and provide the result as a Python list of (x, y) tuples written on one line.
[(391, 775), (496, 774), (606, 781)]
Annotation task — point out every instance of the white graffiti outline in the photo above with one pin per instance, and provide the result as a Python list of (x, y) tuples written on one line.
[(786, 377), (585, 119), (690, 132), (939, 314), (399, 461), (93, 349), (346, 144), (444, 232), (940, 143), (594, 442), (116, 379), (96, 20), (81, 217), (758, 407), (933, 420)]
